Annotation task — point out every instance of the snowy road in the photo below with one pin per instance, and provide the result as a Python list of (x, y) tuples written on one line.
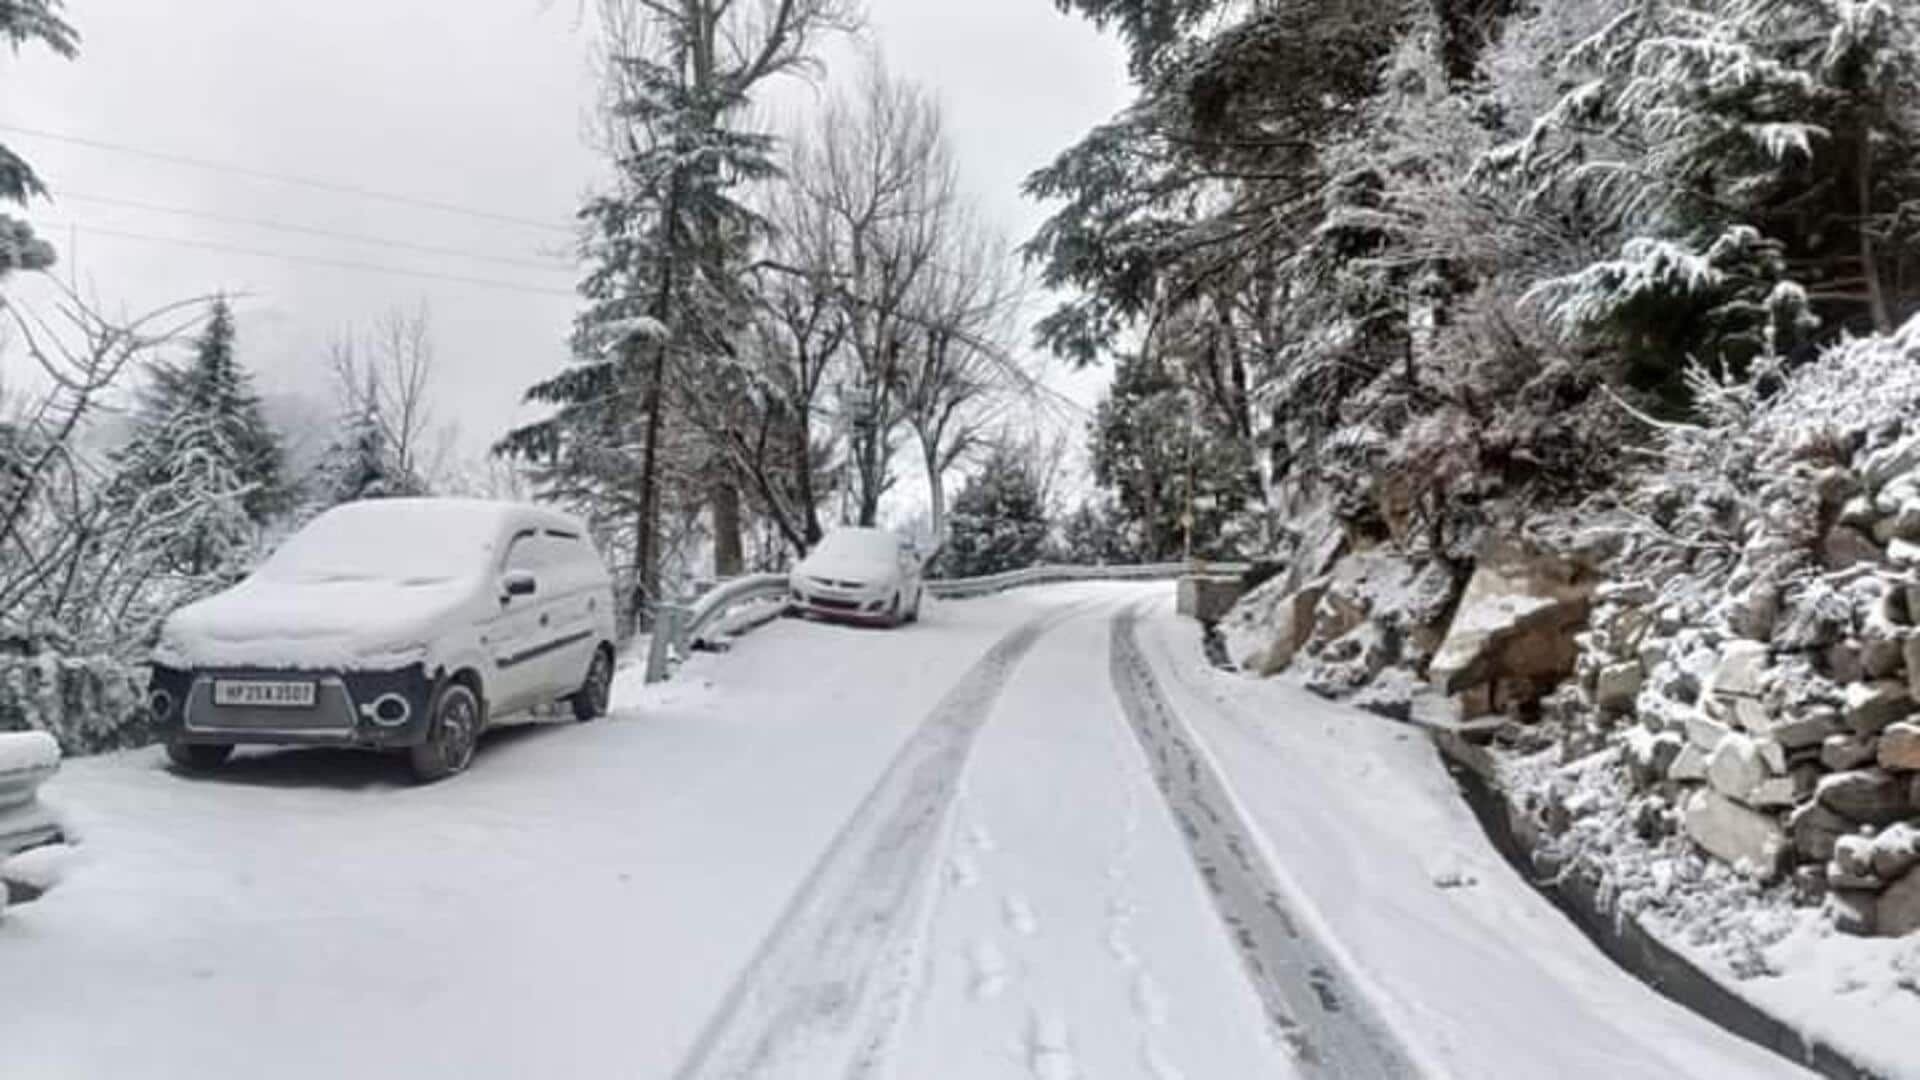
[(1033, 837)]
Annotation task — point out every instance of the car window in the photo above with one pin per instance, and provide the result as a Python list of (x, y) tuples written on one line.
[(525, 553)]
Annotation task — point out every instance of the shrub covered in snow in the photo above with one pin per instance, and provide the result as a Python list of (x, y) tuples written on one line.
[(90, 704)]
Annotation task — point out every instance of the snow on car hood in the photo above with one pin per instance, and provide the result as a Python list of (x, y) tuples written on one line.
[(864, 571), (311, 624)]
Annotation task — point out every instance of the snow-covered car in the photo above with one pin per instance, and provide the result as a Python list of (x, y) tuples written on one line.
[(861, 575), (398, 624)]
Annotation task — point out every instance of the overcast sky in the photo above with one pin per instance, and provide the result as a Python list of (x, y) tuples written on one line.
[(472, 103)]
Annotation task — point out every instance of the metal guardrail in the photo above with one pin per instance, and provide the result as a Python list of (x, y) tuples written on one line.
[(680, 627), (27, 759)]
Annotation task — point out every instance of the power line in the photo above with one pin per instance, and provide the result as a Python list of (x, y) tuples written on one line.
[(286, 178), (314, 260), (307, 230)]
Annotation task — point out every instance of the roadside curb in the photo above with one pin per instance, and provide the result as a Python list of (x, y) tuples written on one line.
[(1625, 940)]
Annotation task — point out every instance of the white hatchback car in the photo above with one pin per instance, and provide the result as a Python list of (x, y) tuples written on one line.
[(860, 575), (395, 624)]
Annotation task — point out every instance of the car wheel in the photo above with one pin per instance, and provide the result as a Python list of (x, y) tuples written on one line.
[(198, 756), (591, 700), (453, 731)]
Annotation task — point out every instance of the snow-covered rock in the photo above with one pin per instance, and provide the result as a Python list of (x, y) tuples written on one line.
[(1752, 842), (1516, 620), (1870, 707), (1735, 768), (1899, 747), (1897, 913), (1869, 796)]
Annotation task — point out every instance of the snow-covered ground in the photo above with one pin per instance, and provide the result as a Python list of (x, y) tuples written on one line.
[(939, 852)]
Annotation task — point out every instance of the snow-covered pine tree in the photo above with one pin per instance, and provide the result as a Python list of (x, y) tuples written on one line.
[(666, 250), (198, 431), (1755, 160), (999, 518), (24, 22)]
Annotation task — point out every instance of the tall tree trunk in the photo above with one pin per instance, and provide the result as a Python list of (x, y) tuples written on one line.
[(804, 482), (1869, 261), (729, 552)]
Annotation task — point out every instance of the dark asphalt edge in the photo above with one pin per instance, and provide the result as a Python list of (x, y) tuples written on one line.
[(1622, 937), (1396, 1057)]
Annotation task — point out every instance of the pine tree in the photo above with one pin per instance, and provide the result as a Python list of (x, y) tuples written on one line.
[(199, 435), (1151, 451), (666, 250), (1755, 158), (23, 22), (999, 519)]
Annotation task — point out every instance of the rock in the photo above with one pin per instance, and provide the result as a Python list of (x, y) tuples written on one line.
[(1870, 796), (1753, 613), (1847, 751), (1870, 707), (1858, 511), (1852, 856), (1704, 731), (1905, 524), (1888, 463), (1846, 546), (1751, 842), (1650, 757), (1772, 754), (1735, 769), (1900, 747), (1895, 851), (1689, 765), (1273, 645), (1897, 913), (1777, 793), (1854, 911), (1516, 620), (1904, 553), (1845, 661), (1740, 672), (1618, 685), (1815, 831), (1882, 651), (1910, 655), (1800, 731), (1809, 884)]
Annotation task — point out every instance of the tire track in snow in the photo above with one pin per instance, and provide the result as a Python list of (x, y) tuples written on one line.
[(822, 996), (1331, 1034)]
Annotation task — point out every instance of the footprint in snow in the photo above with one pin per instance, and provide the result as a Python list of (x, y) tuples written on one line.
[(1149, 1000), (989, 970), (1019, 915), (979, 838), (962, 871), (1049, 1048)]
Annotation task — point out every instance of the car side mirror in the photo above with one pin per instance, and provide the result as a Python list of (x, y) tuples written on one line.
[(518, 583)]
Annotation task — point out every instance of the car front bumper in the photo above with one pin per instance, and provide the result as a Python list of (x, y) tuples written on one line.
[(860, 607), (180, 705)]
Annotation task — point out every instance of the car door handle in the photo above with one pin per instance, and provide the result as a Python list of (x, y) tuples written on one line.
[(545, 619)]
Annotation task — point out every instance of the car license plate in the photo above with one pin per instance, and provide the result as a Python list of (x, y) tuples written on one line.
[(258, 694)]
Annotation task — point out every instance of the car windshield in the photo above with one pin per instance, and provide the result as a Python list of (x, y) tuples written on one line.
[(859, 545), (407, 542)]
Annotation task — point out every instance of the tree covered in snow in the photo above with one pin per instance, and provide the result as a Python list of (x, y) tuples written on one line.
[(201, 453), (22, 23), (1162, 464), (1755, 160), (999, 520), (666, 245)]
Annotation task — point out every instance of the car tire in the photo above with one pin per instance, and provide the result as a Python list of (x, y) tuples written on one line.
[(591, 701), (453, 731), (198, 757)]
